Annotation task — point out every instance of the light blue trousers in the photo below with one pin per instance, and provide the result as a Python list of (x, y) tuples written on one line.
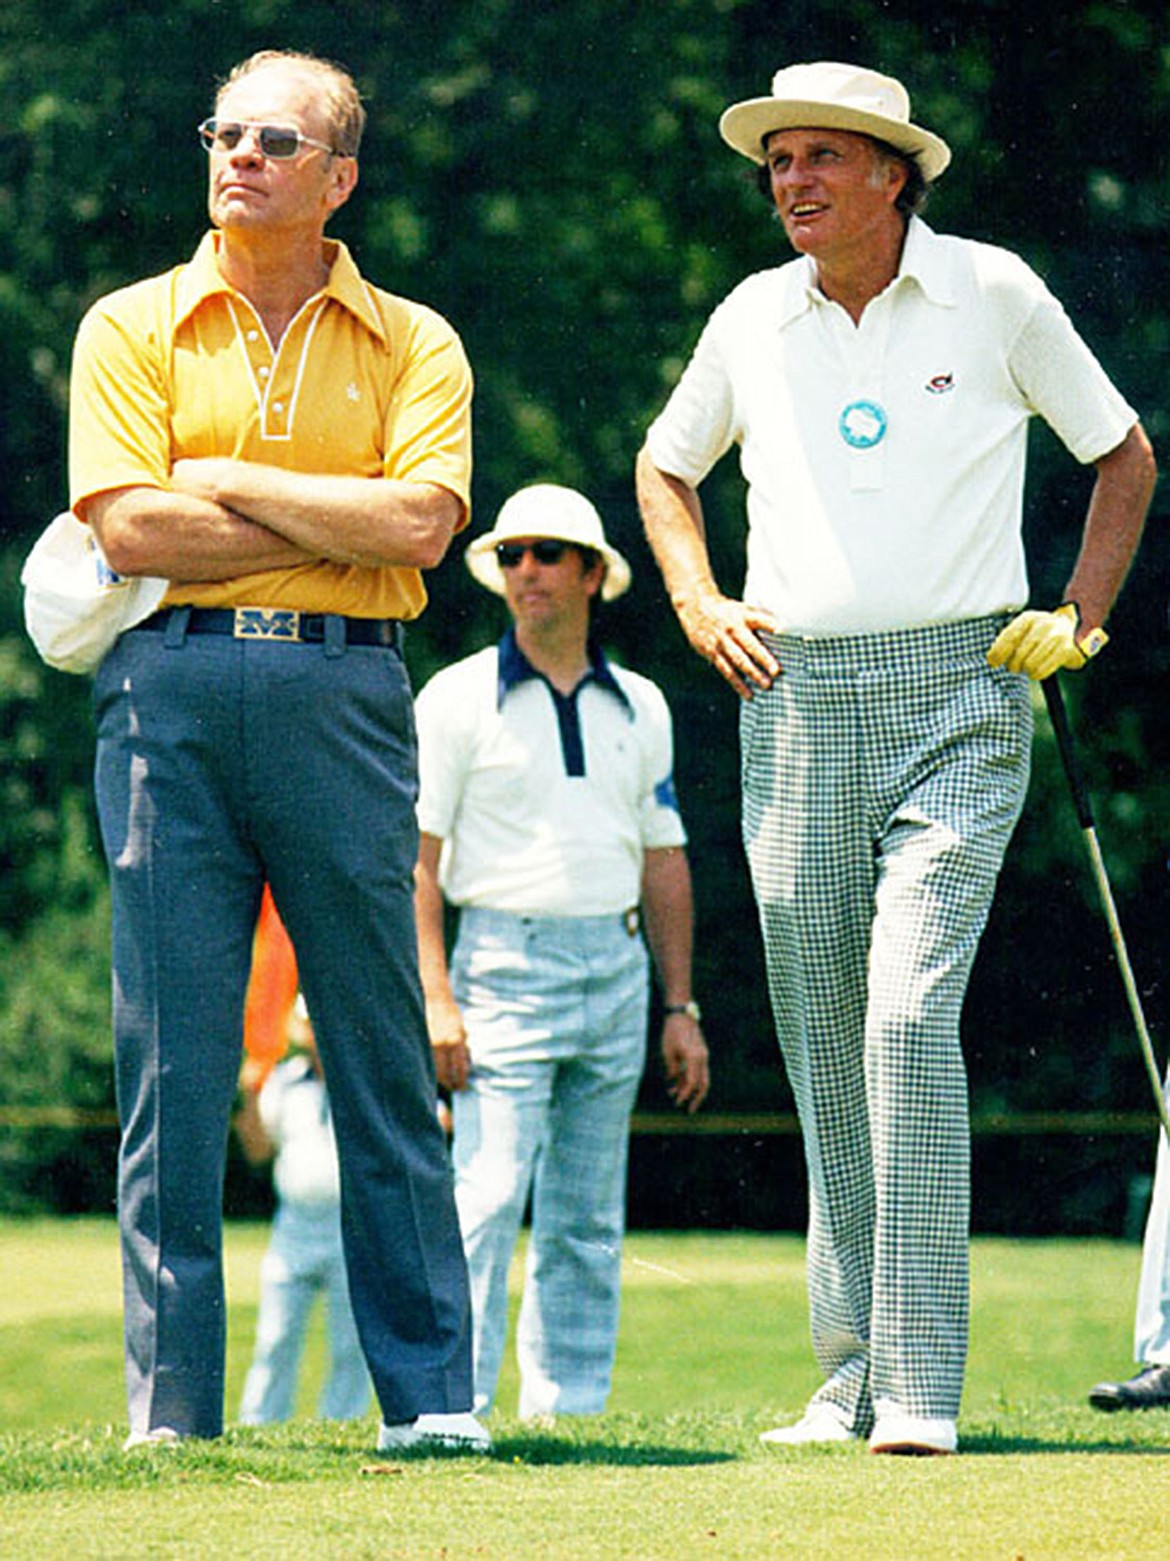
[(223, 763), (1151, 1341), (556, 1011), (883, 776), (304, 1261)]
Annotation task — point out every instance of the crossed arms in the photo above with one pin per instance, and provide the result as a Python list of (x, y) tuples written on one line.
[(222, 518)]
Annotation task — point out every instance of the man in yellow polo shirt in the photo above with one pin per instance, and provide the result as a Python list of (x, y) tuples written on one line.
[(289, 447)]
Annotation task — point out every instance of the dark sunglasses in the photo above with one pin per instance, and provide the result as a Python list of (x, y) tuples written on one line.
[(279, 142), (545, 551)]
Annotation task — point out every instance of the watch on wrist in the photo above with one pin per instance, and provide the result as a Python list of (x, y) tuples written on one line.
[(1095, 640), (691, 1009)]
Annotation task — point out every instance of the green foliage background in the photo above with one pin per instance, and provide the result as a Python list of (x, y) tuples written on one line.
[(550, 177)]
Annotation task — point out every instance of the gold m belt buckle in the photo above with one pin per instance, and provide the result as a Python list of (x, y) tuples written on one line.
[(266, 623)]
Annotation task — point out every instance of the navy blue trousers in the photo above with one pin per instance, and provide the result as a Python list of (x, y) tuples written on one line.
[(223, 763)]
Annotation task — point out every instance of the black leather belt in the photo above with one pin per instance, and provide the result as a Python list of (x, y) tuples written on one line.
[(280, 625)]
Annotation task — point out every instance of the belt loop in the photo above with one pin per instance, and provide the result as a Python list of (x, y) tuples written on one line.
[(334, 635), (176, 629)]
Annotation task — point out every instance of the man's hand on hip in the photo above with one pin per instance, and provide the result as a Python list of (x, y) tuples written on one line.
[(725, 633)]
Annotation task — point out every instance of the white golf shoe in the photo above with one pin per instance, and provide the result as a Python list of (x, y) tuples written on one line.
[(819, 1423), (158, 1436), (453, 1432), (913, 1436)]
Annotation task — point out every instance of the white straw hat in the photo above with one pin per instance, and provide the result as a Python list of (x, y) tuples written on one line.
[(547, 510), (828, 96)]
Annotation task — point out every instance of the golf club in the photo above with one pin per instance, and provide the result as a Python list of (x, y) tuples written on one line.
[(1058, 716)]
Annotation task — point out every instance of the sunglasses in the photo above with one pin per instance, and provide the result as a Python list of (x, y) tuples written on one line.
[(546, 551), (278, 142)]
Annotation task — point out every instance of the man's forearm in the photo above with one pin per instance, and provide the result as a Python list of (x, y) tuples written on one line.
[(371, 522), (430, 921), (445, 1026), (668, 914), (673, 521), (1113, 528), (149, 531)]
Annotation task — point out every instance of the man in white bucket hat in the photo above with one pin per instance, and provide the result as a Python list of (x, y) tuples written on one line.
[(879, 388), (558, 515), (548, 817)]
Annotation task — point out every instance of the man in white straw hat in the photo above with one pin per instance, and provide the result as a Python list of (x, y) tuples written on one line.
[(879, 388), (548, 816)]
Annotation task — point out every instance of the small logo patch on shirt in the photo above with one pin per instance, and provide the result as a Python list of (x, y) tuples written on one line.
[(352, 391), (665, 794), (940, 384)]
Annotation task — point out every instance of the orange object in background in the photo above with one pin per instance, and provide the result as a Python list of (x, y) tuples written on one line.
[(272, 991)]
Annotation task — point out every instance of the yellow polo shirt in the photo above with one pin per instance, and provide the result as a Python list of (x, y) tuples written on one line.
[(362, 384)]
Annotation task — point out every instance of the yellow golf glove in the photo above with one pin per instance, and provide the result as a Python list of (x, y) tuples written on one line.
[(1040, 643)]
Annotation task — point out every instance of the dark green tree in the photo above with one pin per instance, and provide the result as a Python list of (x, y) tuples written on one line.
[(551, 178)]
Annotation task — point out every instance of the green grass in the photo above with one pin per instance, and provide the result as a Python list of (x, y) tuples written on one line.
[(713, 1350)]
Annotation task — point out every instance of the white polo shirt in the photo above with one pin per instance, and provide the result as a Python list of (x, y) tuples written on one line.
[(545, 804), (885, 460)]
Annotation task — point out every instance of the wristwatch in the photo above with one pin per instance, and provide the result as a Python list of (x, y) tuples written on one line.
[(1094, 641), (691, 1009)]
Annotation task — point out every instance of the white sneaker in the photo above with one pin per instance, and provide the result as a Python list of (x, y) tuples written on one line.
[(460, 1432), (913, 1436), (159, 1436), (819, 1423)]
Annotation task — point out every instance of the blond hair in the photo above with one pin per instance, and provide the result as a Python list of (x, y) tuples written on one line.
[(342, 101)]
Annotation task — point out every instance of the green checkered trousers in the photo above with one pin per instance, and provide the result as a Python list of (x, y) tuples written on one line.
[(883, 775)]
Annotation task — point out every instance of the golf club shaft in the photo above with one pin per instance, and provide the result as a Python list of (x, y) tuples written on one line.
[(1058, 716)]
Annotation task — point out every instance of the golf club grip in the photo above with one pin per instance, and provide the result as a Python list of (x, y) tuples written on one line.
[(1061, 730)]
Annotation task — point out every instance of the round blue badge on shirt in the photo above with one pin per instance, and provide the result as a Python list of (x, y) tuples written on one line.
[(863, 424)]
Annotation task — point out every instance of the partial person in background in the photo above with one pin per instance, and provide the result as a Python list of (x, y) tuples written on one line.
[(880, 387), (549, 818), (290, 1118), (272, 995), (1149, 1388)]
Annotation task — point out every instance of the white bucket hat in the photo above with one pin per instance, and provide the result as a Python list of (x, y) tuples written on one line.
[(828, 96), (546, 510)]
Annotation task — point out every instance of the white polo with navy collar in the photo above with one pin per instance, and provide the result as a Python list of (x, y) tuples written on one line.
[(885, 460), (545, 804)]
